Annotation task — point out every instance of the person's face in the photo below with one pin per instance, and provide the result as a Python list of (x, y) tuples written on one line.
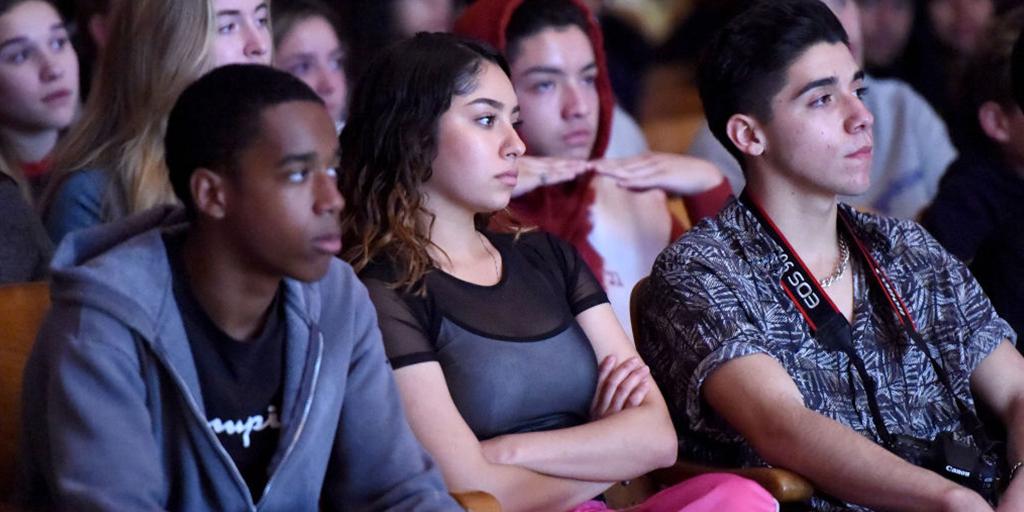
[(477, 147), (243, 32), (312, 52), (414, 16), (886, 27), (555, 76), (282, 201), (38, 69), (959, 23), (819, 137), (849, 16)]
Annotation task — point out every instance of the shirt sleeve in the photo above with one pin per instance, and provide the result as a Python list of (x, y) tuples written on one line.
[(696, 318), (77, 204), (405, 332), (965, 317), (583, 290), (376, 461)]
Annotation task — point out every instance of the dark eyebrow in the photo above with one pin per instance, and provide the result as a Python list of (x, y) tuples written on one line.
[(493, 104), (543, 69), (298, 157), (821, 82), (12, 42), (859, 75), (588, 67)]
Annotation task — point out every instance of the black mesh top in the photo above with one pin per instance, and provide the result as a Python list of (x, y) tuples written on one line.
[(513, 356)]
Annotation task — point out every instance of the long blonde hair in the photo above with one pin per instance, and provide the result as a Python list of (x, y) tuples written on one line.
[(156, 49)]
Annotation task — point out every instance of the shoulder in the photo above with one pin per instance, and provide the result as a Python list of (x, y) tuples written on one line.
[(897, 241), (711, 244), (83, 182)]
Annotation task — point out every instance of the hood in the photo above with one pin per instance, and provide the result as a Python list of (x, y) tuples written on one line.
[(487, 20), (119, 268)]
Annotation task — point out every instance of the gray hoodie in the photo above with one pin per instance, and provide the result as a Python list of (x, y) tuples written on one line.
[(113, 415)]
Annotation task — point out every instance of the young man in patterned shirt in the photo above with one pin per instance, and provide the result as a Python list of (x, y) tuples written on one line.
[(793, 331)]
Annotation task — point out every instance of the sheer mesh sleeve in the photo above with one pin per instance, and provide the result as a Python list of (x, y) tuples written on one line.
[(583, 290), (405, 331)]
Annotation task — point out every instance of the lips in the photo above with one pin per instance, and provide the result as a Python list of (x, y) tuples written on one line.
[(580, 137), (863, 152), (508, 178), (57, 96), (328, 244)]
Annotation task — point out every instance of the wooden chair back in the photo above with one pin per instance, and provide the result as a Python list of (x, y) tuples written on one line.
[(22, 308)]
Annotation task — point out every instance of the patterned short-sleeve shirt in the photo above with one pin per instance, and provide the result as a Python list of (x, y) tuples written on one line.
[(714, 295)]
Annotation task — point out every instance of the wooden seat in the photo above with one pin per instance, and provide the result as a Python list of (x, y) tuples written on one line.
[(786, 486), (477, 501), (22, 307)]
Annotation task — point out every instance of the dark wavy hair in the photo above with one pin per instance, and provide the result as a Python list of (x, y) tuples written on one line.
[(390, 141)]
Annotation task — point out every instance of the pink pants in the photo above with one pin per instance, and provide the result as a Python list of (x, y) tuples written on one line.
[(713, 492)]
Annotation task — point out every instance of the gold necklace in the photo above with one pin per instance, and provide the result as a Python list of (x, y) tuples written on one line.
[(841, 264)]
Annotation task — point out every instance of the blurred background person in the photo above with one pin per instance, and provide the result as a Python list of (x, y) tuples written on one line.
[(308, 44)]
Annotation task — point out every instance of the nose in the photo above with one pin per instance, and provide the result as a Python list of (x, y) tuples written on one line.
[(859, 117), (326, 81), (513, 146), (50, 68), (257, 44), (574, 102), (328, 198)]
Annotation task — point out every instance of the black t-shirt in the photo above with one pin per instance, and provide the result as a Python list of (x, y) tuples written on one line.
[(240, 381), (513, 356)]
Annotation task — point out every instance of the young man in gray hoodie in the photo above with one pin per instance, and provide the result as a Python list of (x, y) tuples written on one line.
[(221, 358)]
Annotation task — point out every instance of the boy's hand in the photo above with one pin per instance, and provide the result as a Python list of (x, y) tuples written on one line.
[(678, 175), (535, 172), (620, 386)]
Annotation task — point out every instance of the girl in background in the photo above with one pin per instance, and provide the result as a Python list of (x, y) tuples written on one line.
[(38, 100), (307, 44), (38, 89), (112, 163)]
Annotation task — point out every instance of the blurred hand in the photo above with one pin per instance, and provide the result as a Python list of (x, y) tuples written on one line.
[(678, 175), (537, 171)]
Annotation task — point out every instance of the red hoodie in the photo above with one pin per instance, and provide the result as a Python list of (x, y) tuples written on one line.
[(564, 209)]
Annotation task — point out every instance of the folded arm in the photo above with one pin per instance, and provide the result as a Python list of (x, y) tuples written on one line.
[(619, 446), (445, 434), (756, 396)]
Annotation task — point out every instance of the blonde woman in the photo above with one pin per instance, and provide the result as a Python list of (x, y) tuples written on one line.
[(112, 163)]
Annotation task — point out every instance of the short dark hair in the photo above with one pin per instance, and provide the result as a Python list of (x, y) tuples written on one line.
[(745, 64), (288, 14), (390, 142), (534, 16), (1018, 70), (989, 75), (217, 117)]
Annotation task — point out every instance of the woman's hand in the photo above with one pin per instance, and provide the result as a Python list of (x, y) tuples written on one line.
[(535, 172), (620, 386), (678, 175)]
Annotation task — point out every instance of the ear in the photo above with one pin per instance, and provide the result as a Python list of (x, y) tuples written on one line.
[(208, 194), (994, 121), (745, 132)]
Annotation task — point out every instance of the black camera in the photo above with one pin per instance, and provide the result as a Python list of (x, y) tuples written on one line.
[(958, 461)]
